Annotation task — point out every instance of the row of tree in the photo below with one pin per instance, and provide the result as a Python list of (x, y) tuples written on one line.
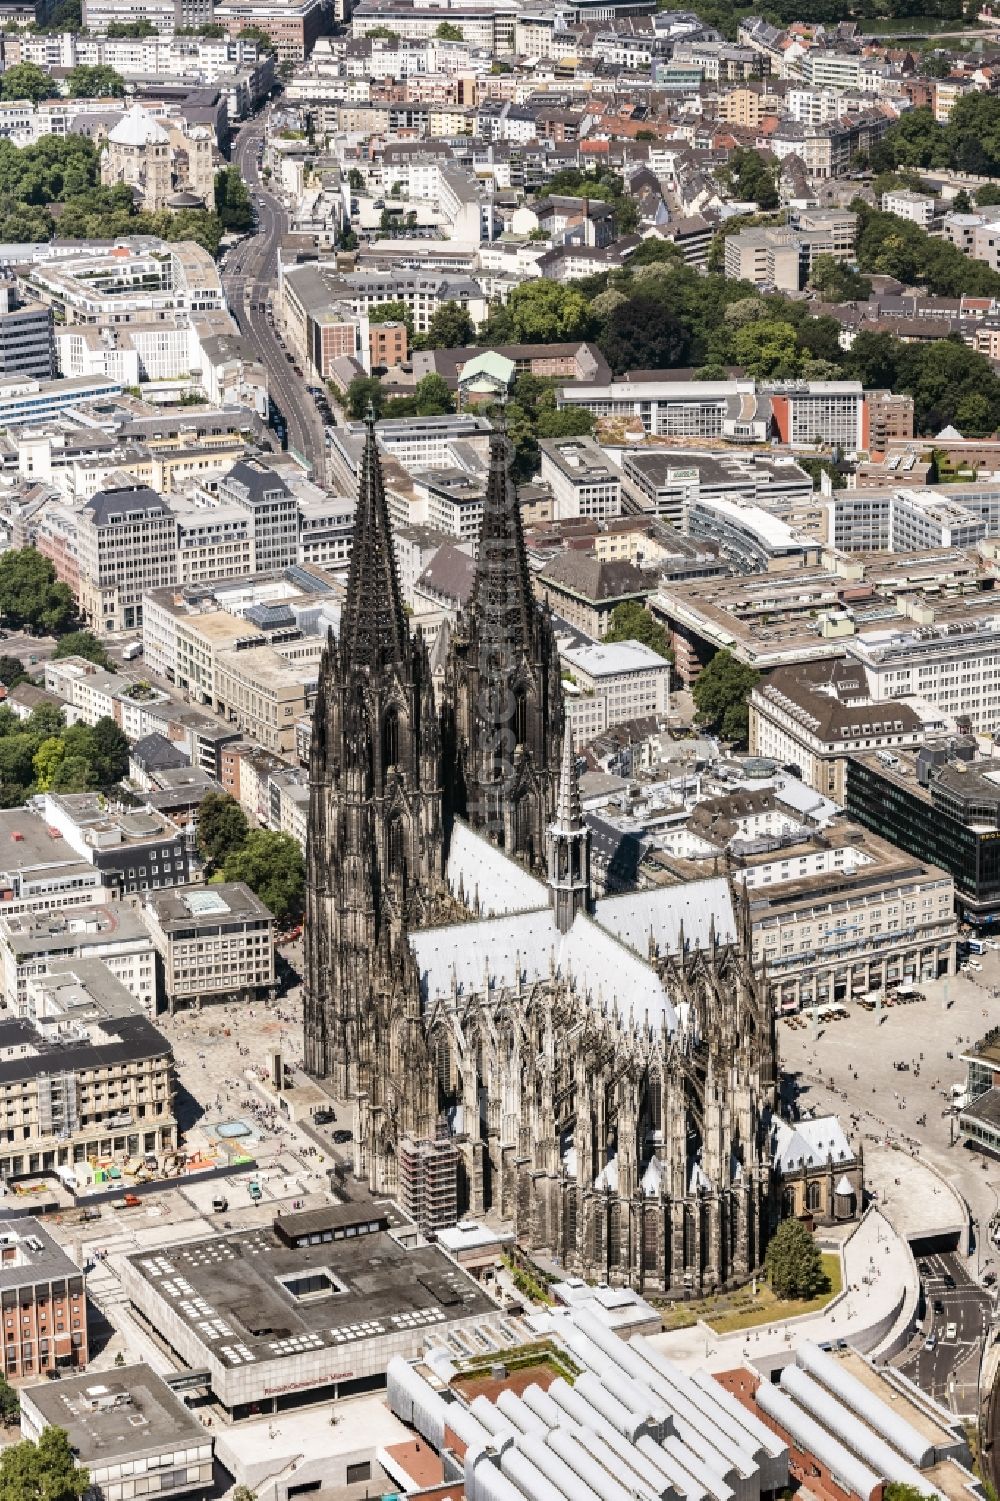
[(42, 754), (968, 142)]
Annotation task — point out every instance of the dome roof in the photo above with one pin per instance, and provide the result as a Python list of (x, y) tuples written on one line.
[(137, 128)]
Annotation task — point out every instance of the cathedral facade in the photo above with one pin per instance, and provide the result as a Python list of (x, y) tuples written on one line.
[(607, 1068)]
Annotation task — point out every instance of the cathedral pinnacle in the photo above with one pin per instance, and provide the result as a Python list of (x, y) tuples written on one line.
[(569, 815), (373, 627)]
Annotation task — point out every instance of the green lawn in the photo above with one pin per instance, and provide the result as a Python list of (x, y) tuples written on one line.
[(744, 1310)]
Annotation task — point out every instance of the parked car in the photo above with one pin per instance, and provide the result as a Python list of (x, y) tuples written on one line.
[(342, 1136)]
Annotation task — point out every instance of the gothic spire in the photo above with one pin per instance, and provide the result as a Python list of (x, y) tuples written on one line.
[(569, 814), (502, 598), (373, 626)]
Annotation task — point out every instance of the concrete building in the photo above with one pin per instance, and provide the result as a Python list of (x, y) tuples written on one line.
[(583, 480), (213, 943), (134, 850), (347, 1285), (43, 1302), (127, 543), (128, 1429), (40, 870), (264, 693), (783, 258), (26, 346), (112, 932), (86, 1076), (611, 683), (292, 25), (750, 539), (667, 481)]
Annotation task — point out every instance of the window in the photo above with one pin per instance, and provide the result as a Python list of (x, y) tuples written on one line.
[(361, 1470)]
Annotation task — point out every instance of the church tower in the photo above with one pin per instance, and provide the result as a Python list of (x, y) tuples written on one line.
[(502, 687), (568, 842), (375, 851)]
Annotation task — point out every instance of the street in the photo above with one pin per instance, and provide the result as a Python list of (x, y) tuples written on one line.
[(949, 1371), (249, 276)]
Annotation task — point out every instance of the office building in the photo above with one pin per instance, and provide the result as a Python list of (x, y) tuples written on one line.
[(665, 481), (583, 480), (127, 543), (112, 932), (264, 693), (292, 25), (939, 805), (213, 943), (918, 208), (586, 591), (611, 683), (128, 1429), (307, 1308), (43, 1300), (86, 1077), (264, 496), (40, 871), (815, 715), (26, 346), (134, 849), (748, 538)]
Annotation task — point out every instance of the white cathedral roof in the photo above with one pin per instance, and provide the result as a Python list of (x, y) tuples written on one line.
[(664, 909), (489, 880), (810, 1143), (521, 948)]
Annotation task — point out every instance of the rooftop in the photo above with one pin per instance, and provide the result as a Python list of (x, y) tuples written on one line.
[(180, 907), (249, 1297), (128, 1411), (30, 1254)]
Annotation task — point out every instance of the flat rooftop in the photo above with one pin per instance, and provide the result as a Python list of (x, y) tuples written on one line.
[(42, 932), (29, 1254), (202, 907), (129, 1410), (251, 1298)]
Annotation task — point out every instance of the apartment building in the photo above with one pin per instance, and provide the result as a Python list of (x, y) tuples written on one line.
[(918, 208), (111, 931), (263, 693), (610, 683), (816, 715), (126, 544), (214, 943), (586, 591), (583, 480), (43, 1302)]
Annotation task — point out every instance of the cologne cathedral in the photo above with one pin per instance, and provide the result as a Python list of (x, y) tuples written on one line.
[(606, 1068)]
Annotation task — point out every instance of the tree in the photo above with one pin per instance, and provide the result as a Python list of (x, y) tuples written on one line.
[(42, 1471), (30, 594), (97, 82), (363, 392), (721, 694), (633, 622), (257, 34), (27, 81), (232, 200), (83, 644), (793, 1264), (244, 1493), (133, 31), (272, 866), (750, 178), (392, 312), (643, 334), (355, 181), (222, 826), (898, 1490), (109, 752), (73, 774), (450, 327), (961, 204), (837, 282), (548, 312), (767, 350), (449, 32), (9, 1404), (12, 671), (432, 396), (46, 761), (386, 33)]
